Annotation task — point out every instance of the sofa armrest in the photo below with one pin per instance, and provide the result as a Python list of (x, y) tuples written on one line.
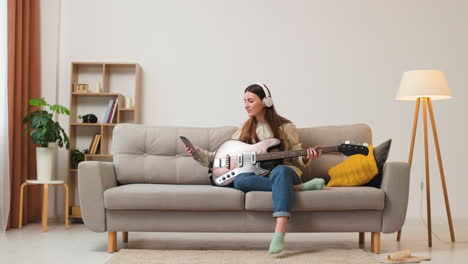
[(395, 184), (93, 179)]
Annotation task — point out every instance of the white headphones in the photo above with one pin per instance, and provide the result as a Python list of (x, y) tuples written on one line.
[(267, 101)]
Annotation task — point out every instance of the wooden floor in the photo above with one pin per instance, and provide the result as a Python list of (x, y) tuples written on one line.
[(79, 245)]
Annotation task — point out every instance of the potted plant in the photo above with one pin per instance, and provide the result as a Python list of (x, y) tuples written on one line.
[(77, 156), (44, 130)]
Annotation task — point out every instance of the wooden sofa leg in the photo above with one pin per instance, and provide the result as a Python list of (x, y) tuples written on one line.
[(124, 237), (375, 242), (111, 242), (361, 239)]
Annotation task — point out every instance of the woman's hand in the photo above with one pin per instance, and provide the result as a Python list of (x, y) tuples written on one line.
[(312, 153), (189, 151)]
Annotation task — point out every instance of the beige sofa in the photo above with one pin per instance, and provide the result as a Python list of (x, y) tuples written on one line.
[(154, 186)]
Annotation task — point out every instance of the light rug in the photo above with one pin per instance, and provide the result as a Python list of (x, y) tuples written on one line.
[(322, 256)]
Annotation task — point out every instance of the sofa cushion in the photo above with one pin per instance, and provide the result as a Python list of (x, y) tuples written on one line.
[(330, 198), (381, 155), (173, 197), (356, 170)]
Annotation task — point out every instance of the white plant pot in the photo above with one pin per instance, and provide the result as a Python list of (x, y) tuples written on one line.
[(44, 163)]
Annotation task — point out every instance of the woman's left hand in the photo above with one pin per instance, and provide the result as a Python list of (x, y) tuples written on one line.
[(313, 153)]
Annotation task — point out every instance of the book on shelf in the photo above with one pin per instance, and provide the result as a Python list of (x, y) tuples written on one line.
[(98, 140), (94, 144), (91, 144), (108, 110), (98, 145), (112, 112)]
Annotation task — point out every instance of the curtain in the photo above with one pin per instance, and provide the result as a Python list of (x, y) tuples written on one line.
[(23, 84), (4, 158)]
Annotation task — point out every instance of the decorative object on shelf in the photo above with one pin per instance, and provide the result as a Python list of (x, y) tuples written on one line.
[(425, 86), (128, 102), (98, 87), (80, 88), (44, 130), (77, 156), (89, 118)]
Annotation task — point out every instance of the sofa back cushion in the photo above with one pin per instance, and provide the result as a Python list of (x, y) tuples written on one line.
[(149, 154)]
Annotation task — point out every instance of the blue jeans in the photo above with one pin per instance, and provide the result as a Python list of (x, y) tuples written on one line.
[(280, 181)]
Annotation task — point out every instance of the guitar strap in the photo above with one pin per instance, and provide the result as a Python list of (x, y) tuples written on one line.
[(210, 172), (281, 146)]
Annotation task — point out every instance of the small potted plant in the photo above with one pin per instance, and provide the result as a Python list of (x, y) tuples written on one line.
[(77, 156), (44, 130)]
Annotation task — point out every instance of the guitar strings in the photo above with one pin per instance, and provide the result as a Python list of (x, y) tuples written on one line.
[(248, 157)]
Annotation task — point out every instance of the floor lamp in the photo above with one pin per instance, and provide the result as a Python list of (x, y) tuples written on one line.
[(425, 86)]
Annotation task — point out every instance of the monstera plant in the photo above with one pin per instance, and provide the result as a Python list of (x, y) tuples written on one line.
[(43, 130)]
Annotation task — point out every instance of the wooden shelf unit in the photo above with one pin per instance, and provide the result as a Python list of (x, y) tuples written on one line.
[(117, 80)]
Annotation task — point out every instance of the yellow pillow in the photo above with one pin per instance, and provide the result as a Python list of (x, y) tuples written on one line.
[(356, 170)]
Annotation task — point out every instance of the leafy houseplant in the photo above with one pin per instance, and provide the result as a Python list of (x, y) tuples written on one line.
[(44, 130), (77, 156)]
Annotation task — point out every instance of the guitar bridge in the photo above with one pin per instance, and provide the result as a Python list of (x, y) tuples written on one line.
[(219, 163), (222, 163)]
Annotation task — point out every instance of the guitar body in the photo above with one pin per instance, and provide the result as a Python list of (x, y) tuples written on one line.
[(234, 157)]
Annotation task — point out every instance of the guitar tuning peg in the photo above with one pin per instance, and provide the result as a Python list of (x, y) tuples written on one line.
[(347, 142), (365, 144)]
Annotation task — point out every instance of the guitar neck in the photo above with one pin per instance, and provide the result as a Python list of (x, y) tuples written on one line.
[(292, 153)]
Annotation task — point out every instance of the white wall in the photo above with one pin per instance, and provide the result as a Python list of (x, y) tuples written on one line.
[(326, 62)]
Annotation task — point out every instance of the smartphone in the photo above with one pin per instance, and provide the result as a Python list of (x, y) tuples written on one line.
[(187, 142)]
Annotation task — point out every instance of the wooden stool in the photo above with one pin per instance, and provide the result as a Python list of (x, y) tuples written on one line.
[(45, 201)]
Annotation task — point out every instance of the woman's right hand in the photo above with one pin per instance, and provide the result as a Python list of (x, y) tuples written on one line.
[(189, 151)]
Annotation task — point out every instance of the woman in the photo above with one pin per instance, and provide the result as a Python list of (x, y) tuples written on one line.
[(284, 179)]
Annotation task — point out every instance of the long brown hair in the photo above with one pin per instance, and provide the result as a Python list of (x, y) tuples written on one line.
[(273, 119)]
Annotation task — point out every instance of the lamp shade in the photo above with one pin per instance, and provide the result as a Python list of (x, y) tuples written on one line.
[(423, 83)]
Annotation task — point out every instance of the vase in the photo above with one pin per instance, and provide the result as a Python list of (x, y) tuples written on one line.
[(128, 102), (44, 163)]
